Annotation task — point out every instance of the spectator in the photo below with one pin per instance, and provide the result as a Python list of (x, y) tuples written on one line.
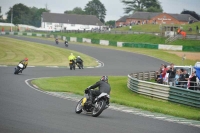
[(177, 76), (172, 73), (165, 79), (184, 78), (192, 81), (159, 78)]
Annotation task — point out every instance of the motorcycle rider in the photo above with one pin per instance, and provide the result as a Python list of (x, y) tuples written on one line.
[(80, 62), (56, 40), (66, 42), (24, 62), (103, 86), (72, 59)]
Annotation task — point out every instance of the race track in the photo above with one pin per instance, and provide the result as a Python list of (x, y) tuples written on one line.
[(25, 110)]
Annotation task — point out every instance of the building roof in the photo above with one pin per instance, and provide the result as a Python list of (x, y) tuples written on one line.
[(71, 18), (149, 15), (183, 17), (123, 19), (144, 15)]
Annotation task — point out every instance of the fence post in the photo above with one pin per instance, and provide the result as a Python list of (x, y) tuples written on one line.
[(138, 75), (149, 75), (143, 75)]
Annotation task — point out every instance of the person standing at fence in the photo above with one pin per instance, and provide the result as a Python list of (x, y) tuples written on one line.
[(177, 78), (184, 79), (172, 73), (192, 81)]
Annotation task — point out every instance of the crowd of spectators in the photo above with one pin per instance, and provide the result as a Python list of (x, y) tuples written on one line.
[(169, 75)]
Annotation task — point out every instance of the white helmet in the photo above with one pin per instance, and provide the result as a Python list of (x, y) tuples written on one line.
[(78, 56)]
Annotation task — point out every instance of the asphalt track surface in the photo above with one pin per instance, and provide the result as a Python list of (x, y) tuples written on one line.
[(25, 110)]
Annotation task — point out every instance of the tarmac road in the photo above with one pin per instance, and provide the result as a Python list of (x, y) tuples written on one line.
[(24, 110)]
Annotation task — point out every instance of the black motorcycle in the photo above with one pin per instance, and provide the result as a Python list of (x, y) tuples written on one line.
[(96, 107), (79, 65)]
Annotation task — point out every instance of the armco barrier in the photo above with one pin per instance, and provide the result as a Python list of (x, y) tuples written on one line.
[(191, 48), (141, 45), (169, 93), (79, 39), (112, 43), (95, 41)]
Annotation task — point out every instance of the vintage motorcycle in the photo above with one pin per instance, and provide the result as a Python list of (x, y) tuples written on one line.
[(19, 68), (96, 107)]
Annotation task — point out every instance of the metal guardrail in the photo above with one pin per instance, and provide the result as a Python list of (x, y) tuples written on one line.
[(165, 92), (145, 75)]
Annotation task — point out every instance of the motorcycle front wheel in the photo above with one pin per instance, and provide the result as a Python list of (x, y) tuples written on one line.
[(16, 70), (99, 107), (78, 108)]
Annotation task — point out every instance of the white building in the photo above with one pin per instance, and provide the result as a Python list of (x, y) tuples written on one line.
[(57, 22)]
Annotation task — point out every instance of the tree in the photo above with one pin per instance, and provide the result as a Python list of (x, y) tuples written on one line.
[(95, 7), (111, 23), (21, 14), (76, 10), (142, 6), (192, 13), (36, 15)]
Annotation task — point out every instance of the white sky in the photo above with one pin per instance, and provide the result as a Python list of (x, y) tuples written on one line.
[(114, 7)]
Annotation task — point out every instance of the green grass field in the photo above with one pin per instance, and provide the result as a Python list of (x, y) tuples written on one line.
[(119, 94), (13, 50)]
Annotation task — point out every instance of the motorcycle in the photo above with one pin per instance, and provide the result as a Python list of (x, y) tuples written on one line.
[(19, 68), (79, 65), (72, 64), (66, 43), (56, 41), (96, 107)]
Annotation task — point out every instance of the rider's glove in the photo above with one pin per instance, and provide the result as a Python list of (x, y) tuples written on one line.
[(86, 91)]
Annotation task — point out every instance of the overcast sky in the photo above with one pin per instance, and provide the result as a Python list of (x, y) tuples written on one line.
[(114, 7)]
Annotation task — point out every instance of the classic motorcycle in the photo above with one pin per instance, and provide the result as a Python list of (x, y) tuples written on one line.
[(19, 68), (96, 107)]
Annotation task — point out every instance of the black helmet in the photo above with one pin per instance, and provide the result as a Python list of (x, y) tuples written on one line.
[(104, 78)]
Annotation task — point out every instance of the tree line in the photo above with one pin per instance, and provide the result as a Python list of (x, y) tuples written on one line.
[(23, 14)]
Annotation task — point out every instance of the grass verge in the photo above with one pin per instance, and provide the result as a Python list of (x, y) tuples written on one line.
[(119, 94), (13, 50)]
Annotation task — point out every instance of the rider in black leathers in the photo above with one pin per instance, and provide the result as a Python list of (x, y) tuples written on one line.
[(79, 62), (103, 85)]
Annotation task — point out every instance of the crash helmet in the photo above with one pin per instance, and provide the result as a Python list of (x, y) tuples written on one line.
[(26, 59), (78, 57), (104, 78)]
